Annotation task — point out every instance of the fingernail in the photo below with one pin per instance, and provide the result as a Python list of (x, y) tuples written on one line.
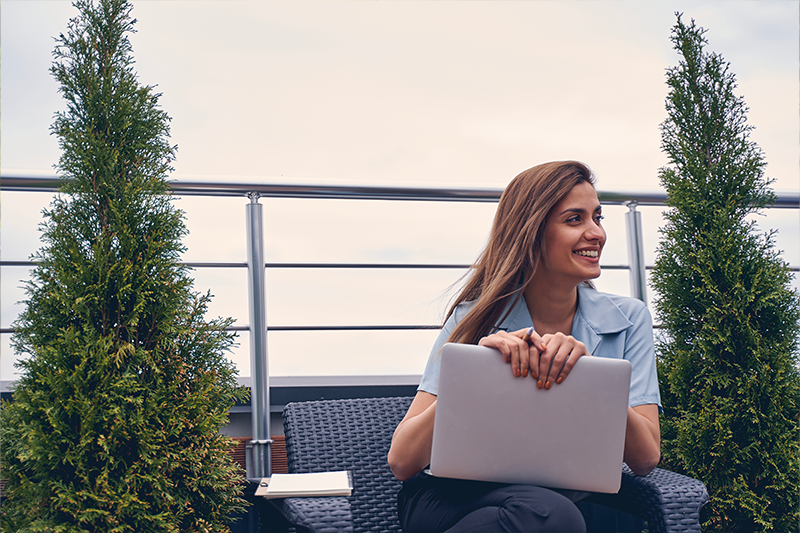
[(525, 373), (547, 386), (534, 375), (559, 380), (544, 346), (516, 372), (539, 384)]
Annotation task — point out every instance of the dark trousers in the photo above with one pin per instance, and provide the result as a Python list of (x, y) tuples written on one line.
[(427, 504)]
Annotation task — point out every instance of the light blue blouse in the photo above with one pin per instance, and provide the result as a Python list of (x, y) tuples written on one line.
[(610, 326)]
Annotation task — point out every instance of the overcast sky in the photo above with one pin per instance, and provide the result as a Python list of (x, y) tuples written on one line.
[(455, 93)]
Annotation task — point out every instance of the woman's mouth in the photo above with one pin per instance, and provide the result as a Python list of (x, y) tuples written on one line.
[(588, 253)]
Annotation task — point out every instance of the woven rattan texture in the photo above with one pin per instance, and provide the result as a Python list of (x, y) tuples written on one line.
[(317, 515), (669, 502), (350, 435), (355, 435)]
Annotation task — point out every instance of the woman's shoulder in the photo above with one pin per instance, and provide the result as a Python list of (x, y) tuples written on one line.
[(461, 310), (625, 302), (600, 302)]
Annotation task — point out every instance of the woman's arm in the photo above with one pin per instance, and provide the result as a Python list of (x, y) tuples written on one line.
[(411, 444), (642, 439), (643, 436)]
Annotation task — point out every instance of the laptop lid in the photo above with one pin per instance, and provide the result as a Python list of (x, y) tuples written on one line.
[(492, 426)]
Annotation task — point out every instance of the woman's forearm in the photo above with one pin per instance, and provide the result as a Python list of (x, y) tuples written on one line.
[(642, 439), (411, 444)]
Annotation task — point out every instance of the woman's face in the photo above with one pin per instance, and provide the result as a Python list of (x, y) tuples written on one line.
[(574, 237)]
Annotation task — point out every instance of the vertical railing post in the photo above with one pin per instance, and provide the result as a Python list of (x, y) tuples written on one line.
[(633, 229), (259, 364)]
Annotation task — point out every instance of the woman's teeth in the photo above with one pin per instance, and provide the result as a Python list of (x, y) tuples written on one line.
[(587, 253)]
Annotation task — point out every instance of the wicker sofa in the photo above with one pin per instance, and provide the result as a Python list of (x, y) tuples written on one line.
[(355, 435)]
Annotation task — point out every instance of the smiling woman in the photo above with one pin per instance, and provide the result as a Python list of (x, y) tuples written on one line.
[(529, 296)]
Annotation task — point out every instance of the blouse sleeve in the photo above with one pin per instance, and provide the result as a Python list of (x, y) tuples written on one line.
[(639, 350), (430, 378)]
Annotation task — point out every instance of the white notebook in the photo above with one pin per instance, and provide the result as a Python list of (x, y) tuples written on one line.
[(492, 426), (337, 483)]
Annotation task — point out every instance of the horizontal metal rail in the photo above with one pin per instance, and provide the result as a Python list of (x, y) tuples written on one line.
[(355, 192), (375, 266), (389, 327), (328, 266)]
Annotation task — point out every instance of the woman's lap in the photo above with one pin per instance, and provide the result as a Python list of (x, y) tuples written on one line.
[(435, 505)]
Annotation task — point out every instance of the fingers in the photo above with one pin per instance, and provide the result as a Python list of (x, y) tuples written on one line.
[(558, 360), (549, 359), (535, 355), (513, 349), (536, 347), (517, 351), (532, 338)]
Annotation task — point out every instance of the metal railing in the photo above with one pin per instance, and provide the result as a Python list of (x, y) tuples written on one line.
[(256, 264)]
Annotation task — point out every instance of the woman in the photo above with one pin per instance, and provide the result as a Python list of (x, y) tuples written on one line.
[(544, 247)]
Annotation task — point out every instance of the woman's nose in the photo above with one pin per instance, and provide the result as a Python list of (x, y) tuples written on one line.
[(595, 233)]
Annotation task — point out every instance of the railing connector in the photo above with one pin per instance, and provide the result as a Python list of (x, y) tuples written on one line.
[(633, 231)]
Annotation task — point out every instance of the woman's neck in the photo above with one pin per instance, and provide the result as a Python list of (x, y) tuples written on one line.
[(551, 307)]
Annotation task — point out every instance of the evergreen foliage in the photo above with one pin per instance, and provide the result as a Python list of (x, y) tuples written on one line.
[(115, 421), (728, 358)]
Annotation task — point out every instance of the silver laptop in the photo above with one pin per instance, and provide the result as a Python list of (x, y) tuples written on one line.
[(492, 426)]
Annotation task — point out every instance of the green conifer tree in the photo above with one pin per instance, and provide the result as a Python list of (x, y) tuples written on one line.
[(728, 356), (115, 421)]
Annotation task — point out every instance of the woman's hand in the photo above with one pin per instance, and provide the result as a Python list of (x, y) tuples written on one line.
[(558, 360), (516, 349), (549, 358)]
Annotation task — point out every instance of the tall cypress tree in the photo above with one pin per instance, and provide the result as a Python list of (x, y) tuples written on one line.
[(728, 357), (115, 421)]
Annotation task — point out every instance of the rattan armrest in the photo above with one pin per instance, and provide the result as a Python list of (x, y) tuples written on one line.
[(669, 502), (330, 514)]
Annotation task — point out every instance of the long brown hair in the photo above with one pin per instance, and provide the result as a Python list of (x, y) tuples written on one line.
[(515, 247)]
